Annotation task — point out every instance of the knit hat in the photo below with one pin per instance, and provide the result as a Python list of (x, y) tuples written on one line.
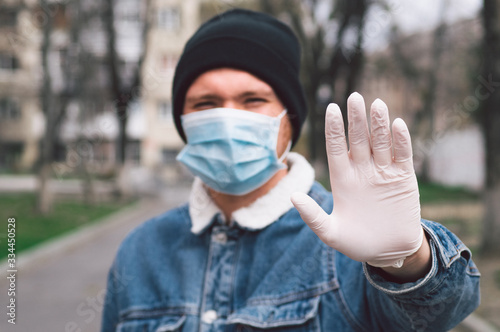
[(250, 41)]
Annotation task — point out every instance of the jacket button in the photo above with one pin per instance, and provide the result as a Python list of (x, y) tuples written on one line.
[(209, 316), (221, 238)]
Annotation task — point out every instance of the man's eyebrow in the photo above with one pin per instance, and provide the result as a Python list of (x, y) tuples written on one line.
[(264, 93), (196, 98)]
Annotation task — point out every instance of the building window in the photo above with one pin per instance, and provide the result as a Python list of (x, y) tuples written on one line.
[(168, 156), (133, 152), (11, 154), (165, 110), (8, 17), (128, 15), (9, 109), (167, 63), (169, 18), (8, 61), (128, 11)]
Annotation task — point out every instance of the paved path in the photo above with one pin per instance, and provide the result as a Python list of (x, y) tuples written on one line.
[(60, 287)]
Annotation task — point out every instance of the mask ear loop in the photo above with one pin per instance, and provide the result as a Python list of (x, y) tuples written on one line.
[(282, 114), (288, 148)]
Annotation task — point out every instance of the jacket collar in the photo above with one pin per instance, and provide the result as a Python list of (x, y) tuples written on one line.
[(265, 210)]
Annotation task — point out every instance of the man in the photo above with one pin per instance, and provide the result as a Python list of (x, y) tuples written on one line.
[(238, 256)]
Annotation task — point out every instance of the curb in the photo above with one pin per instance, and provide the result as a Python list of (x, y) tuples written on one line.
[(53, 247)]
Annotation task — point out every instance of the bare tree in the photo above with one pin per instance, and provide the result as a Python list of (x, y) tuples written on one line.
[(77, 67), (314, 70), (125, 77), (425, 118), (334, 64), (490, 120), (91, 77), (47, 97), (347, 60)]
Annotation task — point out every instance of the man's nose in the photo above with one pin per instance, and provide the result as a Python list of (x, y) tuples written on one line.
[(231, 104)]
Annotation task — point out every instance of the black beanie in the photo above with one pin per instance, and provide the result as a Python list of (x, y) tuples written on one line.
[(246, 40)]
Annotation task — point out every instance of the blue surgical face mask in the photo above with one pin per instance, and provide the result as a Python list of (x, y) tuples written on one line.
[(232, 151)]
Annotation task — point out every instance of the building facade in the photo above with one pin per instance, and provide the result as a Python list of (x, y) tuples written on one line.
[(21, 120), (171, 24), (89, 116)]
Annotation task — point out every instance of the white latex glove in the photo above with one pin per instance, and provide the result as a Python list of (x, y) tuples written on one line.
[(376, 213)]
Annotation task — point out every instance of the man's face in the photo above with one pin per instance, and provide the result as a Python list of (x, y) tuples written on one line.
[(232, 88)]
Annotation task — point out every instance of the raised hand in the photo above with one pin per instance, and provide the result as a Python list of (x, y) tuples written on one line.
[(376, 213)]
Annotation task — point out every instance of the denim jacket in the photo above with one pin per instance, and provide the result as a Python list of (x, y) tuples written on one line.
[(280, 277)]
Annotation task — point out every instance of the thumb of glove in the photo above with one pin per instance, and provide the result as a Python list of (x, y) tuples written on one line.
[(314, 216)]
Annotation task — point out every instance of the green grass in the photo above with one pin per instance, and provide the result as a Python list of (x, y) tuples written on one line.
[(435, 193), (32, 228), (497, 278)]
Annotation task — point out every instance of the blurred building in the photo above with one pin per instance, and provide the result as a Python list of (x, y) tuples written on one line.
[(81, 82), (21, 121), (171, 23), (155, 30), (89, 121)]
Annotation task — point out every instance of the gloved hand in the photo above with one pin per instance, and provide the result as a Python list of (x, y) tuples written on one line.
[(376, 213)]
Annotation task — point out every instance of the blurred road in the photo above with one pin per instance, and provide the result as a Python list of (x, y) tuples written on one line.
[(62, 188), (63, 288)]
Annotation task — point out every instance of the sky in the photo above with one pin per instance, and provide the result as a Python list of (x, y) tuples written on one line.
[(416, 15), (413, 16)]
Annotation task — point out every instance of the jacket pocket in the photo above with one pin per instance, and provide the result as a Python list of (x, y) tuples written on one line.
[(296, 316), (162, 324)]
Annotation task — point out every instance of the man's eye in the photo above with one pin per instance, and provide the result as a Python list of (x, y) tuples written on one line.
[(204, 105), (255, 100)]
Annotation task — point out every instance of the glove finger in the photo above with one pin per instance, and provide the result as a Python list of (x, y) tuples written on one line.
[(359, 140), (380, 134), (336, 146), (403, 155), (312, 214)]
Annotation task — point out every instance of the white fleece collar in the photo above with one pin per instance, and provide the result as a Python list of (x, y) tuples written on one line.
[(265, 210)]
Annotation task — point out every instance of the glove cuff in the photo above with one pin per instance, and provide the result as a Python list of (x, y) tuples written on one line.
[(397, 259)]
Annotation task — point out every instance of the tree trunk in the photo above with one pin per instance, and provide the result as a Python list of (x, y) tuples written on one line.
[(44, 200), (491, 222), (490, 119), (424, 119), (121, 145), (45, 195), (89, 195), (117, 87)]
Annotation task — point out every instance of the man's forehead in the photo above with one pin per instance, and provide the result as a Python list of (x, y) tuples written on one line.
[(228, 81)]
